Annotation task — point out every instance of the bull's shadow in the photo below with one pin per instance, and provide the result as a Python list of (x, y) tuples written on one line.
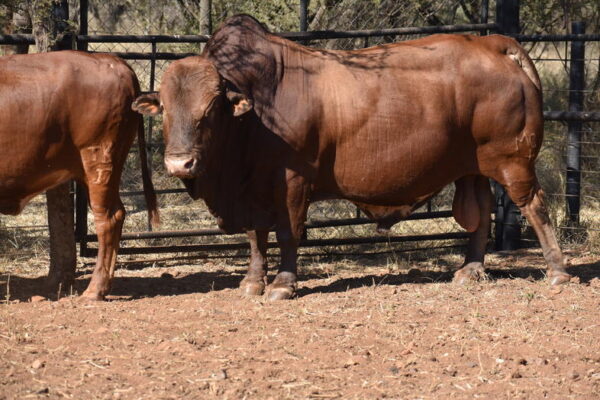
[(125, 287), (584, 272), (136, 287)]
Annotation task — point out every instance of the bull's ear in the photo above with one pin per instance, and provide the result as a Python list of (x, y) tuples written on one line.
[(241, 104), (147, 104)]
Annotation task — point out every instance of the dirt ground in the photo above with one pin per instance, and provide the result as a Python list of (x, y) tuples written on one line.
[(359, 329)]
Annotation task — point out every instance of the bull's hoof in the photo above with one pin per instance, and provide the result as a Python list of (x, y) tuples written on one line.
[(473, 272), (252, 288), (280, 293), (559, 278)]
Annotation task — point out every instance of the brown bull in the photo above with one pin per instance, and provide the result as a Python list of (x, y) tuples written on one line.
[(385, 127), (67, 115)]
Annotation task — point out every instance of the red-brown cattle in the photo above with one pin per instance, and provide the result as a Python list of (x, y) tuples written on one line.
[(385, 127), (67, 115)]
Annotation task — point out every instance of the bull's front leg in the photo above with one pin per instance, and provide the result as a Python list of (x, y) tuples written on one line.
[(102, 170), (292, 204), (255, 280), (108, 218)]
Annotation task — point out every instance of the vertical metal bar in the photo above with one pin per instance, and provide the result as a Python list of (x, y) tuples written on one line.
[(483, 17), (508, 224), (576, 87), (304, 15), (83, 24), (507, 16), (81, 220), (81, 197), (150, 119)]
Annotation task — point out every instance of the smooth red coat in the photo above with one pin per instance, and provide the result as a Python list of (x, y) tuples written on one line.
[(385, 127), (67, 115)]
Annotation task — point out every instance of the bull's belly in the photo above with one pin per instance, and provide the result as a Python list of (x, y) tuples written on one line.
[(394, 184), (14, 205), (17, 191)]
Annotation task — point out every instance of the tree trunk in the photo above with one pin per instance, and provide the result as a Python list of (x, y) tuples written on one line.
[(63, 253), (205, 18), (49, 31), (22, 24)]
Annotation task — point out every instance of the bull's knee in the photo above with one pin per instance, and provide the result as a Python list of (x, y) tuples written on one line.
[(107, 219)]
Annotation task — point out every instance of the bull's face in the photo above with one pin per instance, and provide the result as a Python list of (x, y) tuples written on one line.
[(194, 100)]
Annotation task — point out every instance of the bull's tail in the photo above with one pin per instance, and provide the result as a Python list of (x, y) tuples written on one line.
[(149, 193), (520, 56)]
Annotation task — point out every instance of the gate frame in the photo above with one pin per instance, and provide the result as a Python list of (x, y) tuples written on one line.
[(507, 22)]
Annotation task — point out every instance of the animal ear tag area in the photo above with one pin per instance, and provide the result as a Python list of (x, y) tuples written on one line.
[(241, 104), (147, 104)]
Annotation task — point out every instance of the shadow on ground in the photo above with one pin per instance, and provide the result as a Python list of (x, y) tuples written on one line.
[(135, 287)]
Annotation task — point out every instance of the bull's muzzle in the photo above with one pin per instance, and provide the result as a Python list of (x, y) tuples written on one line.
[(182, 166)]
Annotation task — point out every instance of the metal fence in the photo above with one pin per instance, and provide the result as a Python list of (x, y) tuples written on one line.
[(152, 33)]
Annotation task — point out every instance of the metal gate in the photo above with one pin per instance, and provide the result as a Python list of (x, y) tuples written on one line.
[(187, 225)]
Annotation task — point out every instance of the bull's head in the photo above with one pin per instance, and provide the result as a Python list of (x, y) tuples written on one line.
[(193, 99)]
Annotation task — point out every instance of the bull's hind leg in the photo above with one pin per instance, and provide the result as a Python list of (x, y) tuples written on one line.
[(524, 190), (255, 280), (475, 195), (102, 174), (536, 213)]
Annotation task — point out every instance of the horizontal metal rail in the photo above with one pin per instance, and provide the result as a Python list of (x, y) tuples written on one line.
[(586, 116), (90, 252), (143, 38), (541, 37), (311, 225), (297, 36), (148, 56), (314, 35), (323, 35), (162, 191)]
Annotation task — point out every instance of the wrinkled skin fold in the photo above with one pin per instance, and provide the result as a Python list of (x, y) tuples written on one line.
[(259, 127)]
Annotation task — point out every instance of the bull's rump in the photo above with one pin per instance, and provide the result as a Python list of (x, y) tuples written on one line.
[(401, 121), (54, 105)]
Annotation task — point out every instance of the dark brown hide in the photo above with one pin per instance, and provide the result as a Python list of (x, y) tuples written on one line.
[(67, 115), (385, 127)]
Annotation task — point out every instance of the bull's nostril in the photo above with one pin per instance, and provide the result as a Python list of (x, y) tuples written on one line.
[(189, 164)]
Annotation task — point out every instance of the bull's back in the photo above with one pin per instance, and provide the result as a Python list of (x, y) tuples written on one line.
[(406, 112)]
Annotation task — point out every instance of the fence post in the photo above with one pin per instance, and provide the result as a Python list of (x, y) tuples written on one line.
[(507, 221), (507, 16), (483, 15), (304, 17), (149, 144), (576, 87)]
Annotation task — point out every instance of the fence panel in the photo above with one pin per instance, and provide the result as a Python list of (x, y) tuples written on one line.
[(153, 17)]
